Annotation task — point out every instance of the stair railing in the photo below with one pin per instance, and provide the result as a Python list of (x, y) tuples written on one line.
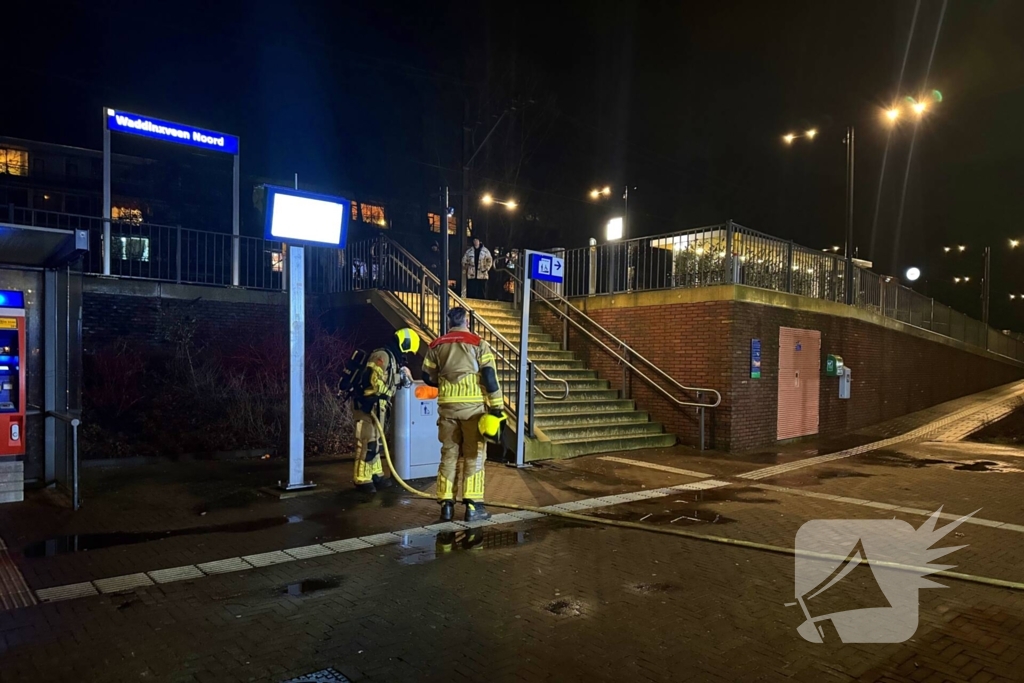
[(626, 355), (418, 289)]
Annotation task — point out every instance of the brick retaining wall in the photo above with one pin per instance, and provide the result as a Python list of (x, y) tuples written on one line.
[(707, 343)]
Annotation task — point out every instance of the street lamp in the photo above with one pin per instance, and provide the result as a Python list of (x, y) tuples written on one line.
[(848, 140), (598, 193), (913, 273), (488, 199)]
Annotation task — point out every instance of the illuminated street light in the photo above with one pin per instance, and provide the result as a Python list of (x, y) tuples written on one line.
[(893, 114), (946, 249), (919, 107), (1012, 297), (913, 273), (962, 247), (956, 281), (967, 279), (598, 193), (789, 137), (489, 199), (1014, 244), (811, 133)]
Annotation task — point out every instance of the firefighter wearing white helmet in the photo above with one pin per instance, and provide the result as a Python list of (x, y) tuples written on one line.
[(461, 365), (384, 372)]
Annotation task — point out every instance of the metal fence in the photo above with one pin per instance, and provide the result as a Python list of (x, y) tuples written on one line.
[(733, 254), (726, 253)]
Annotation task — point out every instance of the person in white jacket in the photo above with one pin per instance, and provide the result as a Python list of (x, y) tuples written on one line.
[(477, 263)]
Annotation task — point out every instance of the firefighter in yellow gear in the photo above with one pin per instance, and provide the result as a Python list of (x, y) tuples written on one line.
[(385, 371), (461, 365)]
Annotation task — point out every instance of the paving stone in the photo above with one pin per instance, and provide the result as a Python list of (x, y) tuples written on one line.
[(347, 545), (307, 551), (268, 559), (68, 592), (231, 564), (121, 584), (184, 573), (381, 539)]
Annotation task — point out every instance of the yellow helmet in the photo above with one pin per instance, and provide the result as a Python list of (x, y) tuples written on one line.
[(490, 426), (408, 340)]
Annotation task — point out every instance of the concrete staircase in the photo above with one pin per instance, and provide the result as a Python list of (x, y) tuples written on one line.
[(594, 418)]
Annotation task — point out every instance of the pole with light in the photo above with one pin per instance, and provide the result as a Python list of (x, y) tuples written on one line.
[(893, 114)]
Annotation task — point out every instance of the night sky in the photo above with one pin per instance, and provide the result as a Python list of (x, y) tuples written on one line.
[(686, 102)]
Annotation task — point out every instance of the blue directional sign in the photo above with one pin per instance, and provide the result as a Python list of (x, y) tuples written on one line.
[(547, 267), (179, 133)]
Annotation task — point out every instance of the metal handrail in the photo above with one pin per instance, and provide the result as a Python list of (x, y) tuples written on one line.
[(477, 318), (627, 348), (74, 421)]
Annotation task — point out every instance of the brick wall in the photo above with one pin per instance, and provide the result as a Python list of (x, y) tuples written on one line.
[(707, 343), (155, 320), (894, 373)]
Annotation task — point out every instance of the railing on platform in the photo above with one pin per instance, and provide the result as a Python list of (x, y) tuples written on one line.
[(726, 253), (385, 265), (625, 355), (730, 253)]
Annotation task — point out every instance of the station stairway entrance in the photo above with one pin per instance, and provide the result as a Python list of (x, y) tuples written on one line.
[(570, 410)]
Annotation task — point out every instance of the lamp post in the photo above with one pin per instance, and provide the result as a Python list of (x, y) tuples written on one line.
[(893, 114)]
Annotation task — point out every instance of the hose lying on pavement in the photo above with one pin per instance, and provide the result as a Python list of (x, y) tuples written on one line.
[(672, 531)]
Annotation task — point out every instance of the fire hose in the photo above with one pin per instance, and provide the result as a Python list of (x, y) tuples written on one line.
[(706, 538)]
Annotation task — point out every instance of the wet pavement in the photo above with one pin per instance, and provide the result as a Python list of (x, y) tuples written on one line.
[(547, 599)]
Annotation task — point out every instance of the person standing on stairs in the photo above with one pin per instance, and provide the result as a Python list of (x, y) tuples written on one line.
[(461, 366), (477, 263), (385, 370)]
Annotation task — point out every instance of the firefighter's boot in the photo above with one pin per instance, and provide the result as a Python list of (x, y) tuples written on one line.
[(447, 510), (475, 512)]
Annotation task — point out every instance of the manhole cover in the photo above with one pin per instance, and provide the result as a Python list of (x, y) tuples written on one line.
[(322, 676)]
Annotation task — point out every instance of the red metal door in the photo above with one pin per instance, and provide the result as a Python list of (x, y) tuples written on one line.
[(799, 382)]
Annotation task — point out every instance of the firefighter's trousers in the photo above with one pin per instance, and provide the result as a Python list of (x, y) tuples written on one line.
[(457, 430), (368, 443)]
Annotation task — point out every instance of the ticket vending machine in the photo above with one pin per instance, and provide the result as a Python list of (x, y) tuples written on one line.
[(12, 373)]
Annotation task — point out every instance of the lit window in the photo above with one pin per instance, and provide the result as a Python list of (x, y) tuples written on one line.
[(373, 214), (13, 161), (435, 223), (134, 248), (355, 211), (277, 260), (126, 215)]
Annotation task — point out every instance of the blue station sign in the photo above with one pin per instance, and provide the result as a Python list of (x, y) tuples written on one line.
[(180, 133), (547, 267)]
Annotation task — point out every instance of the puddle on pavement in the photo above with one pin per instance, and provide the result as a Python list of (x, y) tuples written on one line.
[(77, 543), (566, 607), (650, 588), (685, 508), (311, 586), (896, 459), (813, 476), (423, 549)]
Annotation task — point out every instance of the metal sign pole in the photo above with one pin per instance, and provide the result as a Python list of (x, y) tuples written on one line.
[(296, 366), (106, 194), (524, 342), (235, 239)]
